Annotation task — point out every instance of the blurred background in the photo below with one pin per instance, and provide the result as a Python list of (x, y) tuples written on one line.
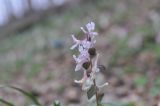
[(35, 55)]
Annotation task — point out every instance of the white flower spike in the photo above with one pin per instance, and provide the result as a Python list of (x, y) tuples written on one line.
[(87, 59)]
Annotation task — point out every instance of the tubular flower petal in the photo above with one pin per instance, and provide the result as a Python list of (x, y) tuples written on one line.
[(101, 86), (82, 80), (76, 41)]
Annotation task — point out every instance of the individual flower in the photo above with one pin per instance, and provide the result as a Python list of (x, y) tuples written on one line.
[(85, 82), (80, 59), (90, 30), (90, 26), (84, 45)]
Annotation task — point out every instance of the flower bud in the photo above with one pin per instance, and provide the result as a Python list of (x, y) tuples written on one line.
[(86, 65), (92, 52)]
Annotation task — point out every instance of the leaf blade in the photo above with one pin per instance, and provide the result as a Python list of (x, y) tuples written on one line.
[(27, 94), (6, 102)]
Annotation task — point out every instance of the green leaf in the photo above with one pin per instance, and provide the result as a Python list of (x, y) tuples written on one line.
[(6, 102), (157, 81), (56, 103), (27, 94), (91, 92), (154, 91), (140, 81)]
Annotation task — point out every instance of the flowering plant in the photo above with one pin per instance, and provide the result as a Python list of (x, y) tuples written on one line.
[(87, 61)]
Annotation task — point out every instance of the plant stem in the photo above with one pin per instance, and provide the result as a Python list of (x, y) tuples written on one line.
[(94, 81), (95, 86)]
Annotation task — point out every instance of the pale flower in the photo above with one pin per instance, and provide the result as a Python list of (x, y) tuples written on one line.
[(83, 57), (90, 30), (86, 82), (79, 62), (90, 26), (84, 46)]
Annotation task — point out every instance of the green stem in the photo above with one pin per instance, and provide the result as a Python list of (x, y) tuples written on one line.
[(94, 81), (95, 86)]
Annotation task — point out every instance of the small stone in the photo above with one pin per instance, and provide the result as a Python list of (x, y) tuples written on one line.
[(122, 92), (136, 41), (117, 82), (58, 44), (147, 57), (72, 95)]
